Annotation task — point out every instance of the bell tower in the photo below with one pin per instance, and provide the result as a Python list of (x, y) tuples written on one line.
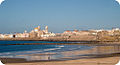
[(46, 29), (39, 27)]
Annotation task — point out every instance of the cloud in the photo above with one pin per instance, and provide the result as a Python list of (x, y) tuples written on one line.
[(118, 1), (1, 1)]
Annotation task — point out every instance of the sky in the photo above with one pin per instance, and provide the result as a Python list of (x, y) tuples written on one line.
[(58, 15)]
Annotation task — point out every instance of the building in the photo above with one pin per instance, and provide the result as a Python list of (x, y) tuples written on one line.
[(6, 36), (48, 35), (33, 34), (37, 32)]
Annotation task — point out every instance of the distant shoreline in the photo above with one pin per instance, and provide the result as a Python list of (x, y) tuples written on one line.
[(52, 40)]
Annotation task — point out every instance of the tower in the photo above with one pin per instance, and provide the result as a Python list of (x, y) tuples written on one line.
[(46, 29), (39, 27), (25, 31)]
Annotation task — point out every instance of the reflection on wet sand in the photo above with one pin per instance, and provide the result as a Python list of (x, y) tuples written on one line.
[(106, 49), (42, 56), (97, 55), (96, 51)]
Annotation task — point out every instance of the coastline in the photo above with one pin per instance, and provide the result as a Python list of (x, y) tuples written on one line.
[(89, 61), (73, 43), (63, 40), (109, 59), (92, 59)]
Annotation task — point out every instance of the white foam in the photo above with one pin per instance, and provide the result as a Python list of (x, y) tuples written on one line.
[(60, 46), (51, 49)]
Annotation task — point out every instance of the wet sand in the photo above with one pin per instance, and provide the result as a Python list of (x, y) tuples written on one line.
[(102, 59), (90, 61)]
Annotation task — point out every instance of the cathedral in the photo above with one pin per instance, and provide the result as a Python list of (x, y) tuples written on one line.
[(37, 32)]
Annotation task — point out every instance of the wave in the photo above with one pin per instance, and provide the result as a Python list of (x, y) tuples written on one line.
[(60, 46), (52, 49), (15, 53)]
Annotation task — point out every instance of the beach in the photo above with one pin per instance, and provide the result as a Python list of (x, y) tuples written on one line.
[(100, 58), (58, 53), (89, 61)]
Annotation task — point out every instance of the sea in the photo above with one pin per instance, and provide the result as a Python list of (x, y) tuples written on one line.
[(49, 52)]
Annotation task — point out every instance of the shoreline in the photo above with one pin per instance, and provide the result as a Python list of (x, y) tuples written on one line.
[(111, 59), (87, 56), (67, 41), (71, 43), (86, 61)]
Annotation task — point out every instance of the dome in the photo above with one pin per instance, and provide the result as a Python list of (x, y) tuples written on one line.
[(37, 28)]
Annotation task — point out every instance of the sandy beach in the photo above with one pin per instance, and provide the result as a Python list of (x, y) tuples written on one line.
[(95, 55), (108, 59), (90, 61)]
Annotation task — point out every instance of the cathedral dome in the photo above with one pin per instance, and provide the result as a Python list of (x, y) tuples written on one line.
[(36, 28)]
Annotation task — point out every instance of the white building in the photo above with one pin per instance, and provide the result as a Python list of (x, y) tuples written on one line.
[(48, 35), (6, 36)]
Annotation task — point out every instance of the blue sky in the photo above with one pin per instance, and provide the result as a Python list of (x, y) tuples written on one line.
[(59, 15)]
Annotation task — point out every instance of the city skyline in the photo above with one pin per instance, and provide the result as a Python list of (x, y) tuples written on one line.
[(17, 16)]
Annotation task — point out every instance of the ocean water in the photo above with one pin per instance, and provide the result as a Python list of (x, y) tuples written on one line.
[(53, 52), (30, 52)]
